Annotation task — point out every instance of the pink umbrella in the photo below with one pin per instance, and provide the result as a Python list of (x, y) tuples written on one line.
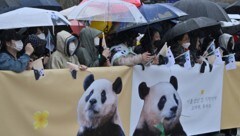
[(76, 26)]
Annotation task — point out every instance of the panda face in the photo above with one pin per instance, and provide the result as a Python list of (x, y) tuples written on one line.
[(99, 100), (163, 104)]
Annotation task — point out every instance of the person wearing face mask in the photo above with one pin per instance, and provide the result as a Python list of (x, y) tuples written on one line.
[(38, 31), (41, 36), (147, 42), (9, 58), (226, 43), (88, 54), (66, 47), (180, 45)]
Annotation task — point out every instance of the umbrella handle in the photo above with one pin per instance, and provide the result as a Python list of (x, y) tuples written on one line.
[(105, 30)]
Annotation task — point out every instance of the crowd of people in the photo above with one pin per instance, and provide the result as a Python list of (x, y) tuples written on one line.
[(20, 49)]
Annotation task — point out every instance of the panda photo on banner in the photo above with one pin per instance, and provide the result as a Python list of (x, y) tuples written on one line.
[(169, 106), (98, 108), (175, 101)]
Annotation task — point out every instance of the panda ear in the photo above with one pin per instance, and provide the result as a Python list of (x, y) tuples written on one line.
[(88, 81), (117, 85), (174, 82), (143, 90)]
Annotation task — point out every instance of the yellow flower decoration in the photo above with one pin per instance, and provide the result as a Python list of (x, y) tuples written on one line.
[(40, 119)]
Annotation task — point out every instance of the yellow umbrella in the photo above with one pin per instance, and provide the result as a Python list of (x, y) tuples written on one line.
[(101, 25)]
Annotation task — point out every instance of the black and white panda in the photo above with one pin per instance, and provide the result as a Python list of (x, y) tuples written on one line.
[(162, 105), (97, 108)]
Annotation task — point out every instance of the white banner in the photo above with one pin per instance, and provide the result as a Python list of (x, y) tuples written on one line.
[(189, 104)]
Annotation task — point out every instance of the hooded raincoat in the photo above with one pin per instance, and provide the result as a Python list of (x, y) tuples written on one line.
[(87, 53), (224, 42), (59, 59)]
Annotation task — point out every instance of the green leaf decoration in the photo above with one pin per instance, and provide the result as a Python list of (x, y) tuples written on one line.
[(160, 128)]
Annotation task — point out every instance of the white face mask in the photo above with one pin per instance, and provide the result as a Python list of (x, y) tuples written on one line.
[(96, 41), (186, 45), (18, 45), (42, 36), (72, 48)]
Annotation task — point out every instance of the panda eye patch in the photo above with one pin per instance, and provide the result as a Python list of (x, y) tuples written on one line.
[(103, 96), (88, 96), (175, 98), (162, 102)]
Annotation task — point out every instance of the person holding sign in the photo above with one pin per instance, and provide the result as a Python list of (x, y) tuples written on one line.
[(180, 47)]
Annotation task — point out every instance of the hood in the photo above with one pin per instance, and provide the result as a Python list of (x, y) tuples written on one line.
[(63, 40), (223, 40), (87, 36)]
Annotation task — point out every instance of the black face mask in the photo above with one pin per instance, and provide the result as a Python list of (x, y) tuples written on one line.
[(157, 43)]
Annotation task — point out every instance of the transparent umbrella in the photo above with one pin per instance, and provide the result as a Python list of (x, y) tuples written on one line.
[(31, 17), (107, 10)]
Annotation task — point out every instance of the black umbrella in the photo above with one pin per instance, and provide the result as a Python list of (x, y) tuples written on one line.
[(188, 26), (231, 29), (233, 8), (202, 8), (8, 5), (223, 4), (44, 4)]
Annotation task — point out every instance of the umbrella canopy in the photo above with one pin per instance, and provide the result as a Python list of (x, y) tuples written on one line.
[(223, 4), (76, 26), (137, 3), (153, 13), (107, 10), (8, 5), (67, 11), (189, 25), (231, 29), (202, 8), (44, 4), (31, 17), (233, 8), (159, 12)]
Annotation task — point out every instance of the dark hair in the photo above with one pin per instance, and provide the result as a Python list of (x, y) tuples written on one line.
[(33, 30), (230, 45), (148, 35), (193, 43), (7, 36), (146, 41), (179, 38), (125, 36), (207, 40)]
